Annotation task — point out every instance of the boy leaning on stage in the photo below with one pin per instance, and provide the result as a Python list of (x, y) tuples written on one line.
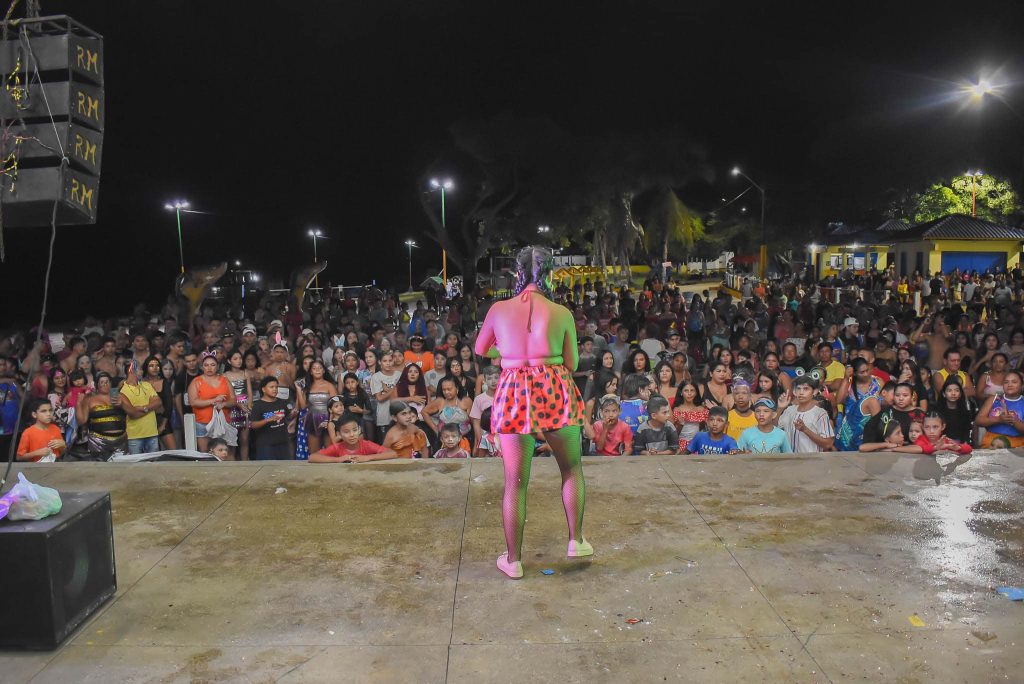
[(714, 441), (764, 437)]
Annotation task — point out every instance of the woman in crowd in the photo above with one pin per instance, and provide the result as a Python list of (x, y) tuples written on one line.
[(962, 344), (665, 381), (1015, 349), (168, 370), (209, 392), (990, 346), (605, 382), (371, 365), (242, 383), (912, 375), (412, 389), (356, 400), (636, 362), (991, 381), (955, 411), (768, 386), (152, 373), (716, 387), (1000, 415), (58, 395), (860, 394), (470, 367), (84, 364), (316, 393), (453, 369), (770, 362), (451, 406), (689, 413), (104, 419)]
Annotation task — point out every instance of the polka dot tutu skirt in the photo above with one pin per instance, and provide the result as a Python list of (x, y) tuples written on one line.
[(535, 399)]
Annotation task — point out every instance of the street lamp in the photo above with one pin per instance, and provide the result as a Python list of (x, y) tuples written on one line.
[(316, 234), (176, 206), (443, 186), (974, 191), (410, 244), (543, 230), (763, 264)]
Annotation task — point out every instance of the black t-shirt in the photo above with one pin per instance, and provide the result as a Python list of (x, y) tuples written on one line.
[(181, 382), (273, 433), (874, 430)]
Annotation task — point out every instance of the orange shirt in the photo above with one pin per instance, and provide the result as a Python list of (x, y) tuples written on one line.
[(425, 359), (419, 442), (37, 438), (204, 414)]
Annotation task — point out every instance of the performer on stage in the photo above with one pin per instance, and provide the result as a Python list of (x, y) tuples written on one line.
[(535, 340)]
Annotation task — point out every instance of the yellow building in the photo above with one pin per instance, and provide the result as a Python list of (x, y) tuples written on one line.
[(956, 241), (947, 243)]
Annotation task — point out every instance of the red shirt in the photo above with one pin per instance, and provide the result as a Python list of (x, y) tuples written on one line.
[(881, 375), (945, 445), (619, 436), (365, 448)]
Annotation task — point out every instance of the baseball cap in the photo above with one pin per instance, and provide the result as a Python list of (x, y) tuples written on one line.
[(307, 331), (765, 402), (850, 321), (248, 328), (610, 399)]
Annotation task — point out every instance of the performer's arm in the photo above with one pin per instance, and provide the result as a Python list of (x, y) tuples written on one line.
[(484, 345), (570, 351)]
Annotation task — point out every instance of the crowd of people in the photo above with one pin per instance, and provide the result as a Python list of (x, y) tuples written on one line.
[(925, 364)]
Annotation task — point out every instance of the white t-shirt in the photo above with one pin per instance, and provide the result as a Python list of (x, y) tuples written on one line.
[(378, 383), (481, 403), (816, 419)]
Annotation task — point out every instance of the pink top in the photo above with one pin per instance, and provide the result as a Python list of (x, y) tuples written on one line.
[(620, 436)]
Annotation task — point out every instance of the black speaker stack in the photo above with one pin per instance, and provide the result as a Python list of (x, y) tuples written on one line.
[(55, 572), (51, 98)]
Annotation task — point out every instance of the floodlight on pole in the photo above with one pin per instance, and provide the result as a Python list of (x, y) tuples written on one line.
[(443, 185), (763, 261), (177, 206), (410, 244), (316, 234)]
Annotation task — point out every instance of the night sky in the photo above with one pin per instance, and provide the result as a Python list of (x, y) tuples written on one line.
[(326, 113)]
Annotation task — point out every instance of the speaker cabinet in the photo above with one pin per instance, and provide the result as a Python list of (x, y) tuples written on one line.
[(55, 573)]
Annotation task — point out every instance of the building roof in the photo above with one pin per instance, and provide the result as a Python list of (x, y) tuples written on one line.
[(959, 227), (893, 226)]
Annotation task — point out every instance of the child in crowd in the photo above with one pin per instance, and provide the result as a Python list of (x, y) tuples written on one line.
[(714, 441), (352, 448), (354, 398), (450, 437), (656, 435), (636, 390), (219, 448), (892, 434), (807, 425), (407, 440), (42, 441), (689, 413), (335, 410), (765, 437), (930, 436), (612, 436), (489, 444)]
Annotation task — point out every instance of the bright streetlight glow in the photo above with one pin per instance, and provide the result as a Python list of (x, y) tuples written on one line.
[(177, 206), (543, 229), (443, 185), (813, 247), (736, 171), (447, 183), (237, 262), (315, 233)]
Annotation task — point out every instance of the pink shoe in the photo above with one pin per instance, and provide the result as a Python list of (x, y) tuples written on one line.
[(579, 549), (513, 569)]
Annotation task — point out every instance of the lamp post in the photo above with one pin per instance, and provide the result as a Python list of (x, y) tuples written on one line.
[(176, 206), (410, 244), (763, 261), (443, 185), (316, 233), (983, 90), (974, 191)]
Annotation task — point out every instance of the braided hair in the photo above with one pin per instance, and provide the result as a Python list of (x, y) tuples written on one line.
[(533, 266)]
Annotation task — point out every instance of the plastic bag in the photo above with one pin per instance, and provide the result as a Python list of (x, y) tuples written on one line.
[(31, 501), (220, 427)]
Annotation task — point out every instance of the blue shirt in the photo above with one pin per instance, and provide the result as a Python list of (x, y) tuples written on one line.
[(703, 444), (632, 412), (757, 442)]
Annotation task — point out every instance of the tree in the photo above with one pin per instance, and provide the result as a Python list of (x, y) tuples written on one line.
[(669, 221), (996, 199)]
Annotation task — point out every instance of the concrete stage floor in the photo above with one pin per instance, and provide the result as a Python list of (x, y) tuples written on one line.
[(842, 567)]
